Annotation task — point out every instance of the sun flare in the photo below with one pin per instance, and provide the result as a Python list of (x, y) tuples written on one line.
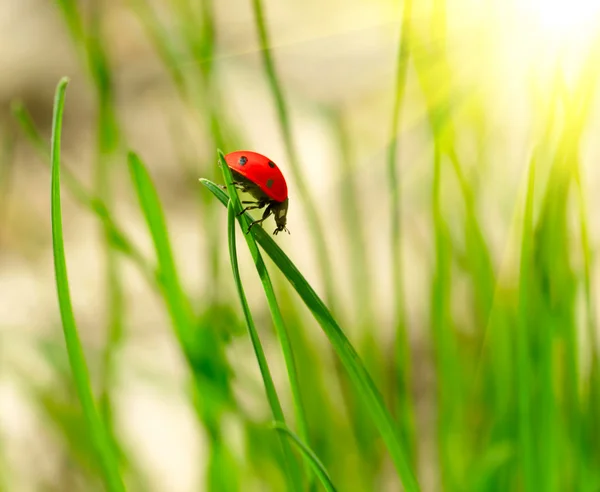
[(563, 19)]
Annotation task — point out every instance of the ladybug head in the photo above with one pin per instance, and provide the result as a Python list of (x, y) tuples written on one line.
[(280, 212)]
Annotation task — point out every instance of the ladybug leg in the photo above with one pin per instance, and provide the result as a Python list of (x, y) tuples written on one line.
[(265, 216), (254, 205), (239, 186)]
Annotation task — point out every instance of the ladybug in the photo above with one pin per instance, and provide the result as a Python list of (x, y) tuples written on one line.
[(258, 175)]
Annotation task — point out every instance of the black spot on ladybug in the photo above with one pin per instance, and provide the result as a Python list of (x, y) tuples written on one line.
[(271, 164), (269, 183), (243, 160)]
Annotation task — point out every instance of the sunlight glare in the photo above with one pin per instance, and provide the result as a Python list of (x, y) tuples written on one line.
[(563, 18)]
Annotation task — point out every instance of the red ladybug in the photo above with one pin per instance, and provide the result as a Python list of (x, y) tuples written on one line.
[(258, 175)]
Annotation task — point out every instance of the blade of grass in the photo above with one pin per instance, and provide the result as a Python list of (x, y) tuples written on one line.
[(118, 238), (554, 279), (328, 424), (402, 362), (350, 204), (107, 142), (175, 298), (88, 37), (201, 44), (524, 387), (308, 454), (293, 473), (559, 426), (79, 369), (449, 387), (199, 89), (585, 94), (365, 386), (308, 203), (72, 19), (365, 317), (62, 414), (201, 346), (439, 88), (280, 327)]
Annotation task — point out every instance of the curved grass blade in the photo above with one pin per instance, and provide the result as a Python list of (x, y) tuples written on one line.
[(280, 327), (308, 454), (293, 474), (348, 355), (95, 426)]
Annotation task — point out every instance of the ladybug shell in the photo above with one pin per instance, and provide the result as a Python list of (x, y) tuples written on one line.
[(261, 170)]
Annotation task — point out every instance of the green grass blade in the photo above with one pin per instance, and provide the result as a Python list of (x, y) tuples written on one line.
[(402, 362), (118, 237), (353, 225), (308, 454), (449, 387), (280, 327), (330, 430), (364, 317), (292, 474), (558, 425), (107, 145), (178, 305), (96, 428), (348, 355), (187, 52), (308, 203), (524, 388), (72, 18), (199, 341)]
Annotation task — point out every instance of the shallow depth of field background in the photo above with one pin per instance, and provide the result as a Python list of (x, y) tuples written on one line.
[(490, 84)]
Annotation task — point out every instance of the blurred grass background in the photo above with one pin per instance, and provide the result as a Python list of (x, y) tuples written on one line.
[(442, 164)]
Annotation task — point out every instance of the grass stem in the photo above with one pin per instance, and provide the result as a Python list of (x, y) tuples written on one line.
[(95, 426)]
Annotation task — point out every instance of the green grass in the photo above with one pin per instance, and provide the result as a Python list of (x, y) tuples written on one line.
[(175, 299), (309, 455), (95, 426), (402, 359), (293, 475), (280, 327), (498, 385), (526, 445), (200, 345), (281, 105), (364, 385)]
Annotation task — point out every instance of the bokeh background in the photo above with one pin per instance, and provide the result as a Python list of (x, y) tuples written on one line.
[(490, 87)]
